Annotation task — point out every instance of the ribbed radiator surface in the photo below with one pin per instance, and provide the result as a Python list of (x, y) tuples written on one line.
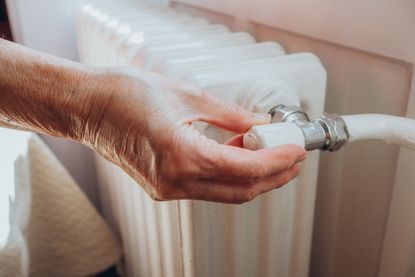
[(270, 236)]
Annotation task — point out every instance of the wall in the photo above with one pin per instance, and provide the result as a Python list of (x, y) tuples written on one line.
[(4, 23), (45, 25), (398, 253)]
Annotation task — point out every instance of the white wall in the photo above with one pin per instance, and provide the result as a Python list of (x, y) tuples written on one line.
[(45, 25)]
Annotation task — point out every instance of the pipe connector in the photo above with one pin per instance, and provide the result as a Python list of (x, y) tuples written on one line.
[(336, 131), (282, 113), (328, 132)]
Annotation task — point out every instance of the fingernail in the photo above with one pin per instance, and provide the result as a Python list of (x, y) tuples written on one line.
[(262, 118), (250, 142)]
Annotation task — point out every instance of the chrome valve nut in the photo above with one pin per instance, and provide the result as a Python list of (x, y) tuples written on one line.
[(336, 130), (282, 113)]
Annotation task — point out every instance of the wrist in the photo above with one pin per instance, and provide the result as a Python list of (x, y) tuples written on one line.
[(81, 102), (39, 92), (102, 99)]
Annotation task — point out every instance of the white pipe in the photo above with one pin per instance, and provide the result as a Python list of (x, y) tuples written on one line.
[(391, 129)]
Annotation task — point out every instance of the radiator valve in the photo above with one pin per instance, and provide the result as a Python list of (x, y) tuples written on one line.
[(290, 124)]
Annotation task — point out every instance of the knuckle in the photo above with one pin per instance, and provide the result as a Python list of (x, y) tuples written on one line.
[(247, 196), (217, 162), (292, 159), (162, 192), (220, 159), (194, 93), (285, 179), (284, 160), (251, 194), (257, 171), (236, 111), (260, 171), (289, 157), (160, 195), (238, 200)]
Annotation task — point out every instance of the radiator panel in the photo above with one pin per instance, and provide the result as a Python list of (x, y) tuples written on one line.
[(270, 236)]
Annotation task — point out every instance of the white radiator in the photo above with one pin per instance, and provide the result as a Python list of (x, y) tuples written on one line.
[(270, 236)]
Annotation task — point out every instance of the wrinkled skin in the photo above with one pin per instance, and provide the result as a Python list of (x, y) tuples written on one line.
[(143, 123)]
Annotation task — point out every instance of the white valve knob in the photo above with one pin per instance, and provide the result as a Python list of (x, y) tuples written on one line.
[(272, 135)]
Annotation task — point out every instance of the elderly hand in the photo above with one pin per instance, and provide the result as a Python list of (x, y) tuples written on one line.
[(143, 123)]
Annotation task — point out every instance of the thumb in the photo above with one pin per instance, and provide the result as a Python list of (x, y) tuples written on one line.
[(229, 116)]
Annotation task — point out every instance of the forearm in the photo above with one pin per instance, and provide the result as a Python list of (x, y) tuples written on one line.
[(42, 93)]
